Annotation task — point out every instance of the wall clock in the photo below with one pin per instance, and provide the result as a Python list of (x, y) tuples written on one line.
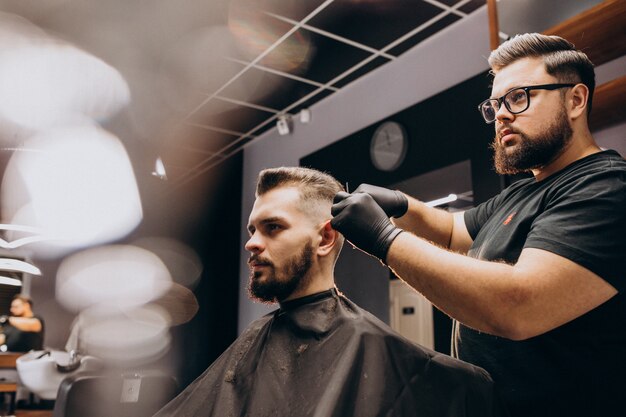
[(388, 146)]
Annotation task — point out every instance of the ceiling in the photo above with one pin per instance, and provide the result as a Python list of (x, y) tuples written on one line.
[(208, 77)]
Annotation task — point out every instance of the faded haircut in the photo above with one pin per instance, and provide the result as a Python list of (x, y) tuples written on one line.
[(561, 58), (312, 184)]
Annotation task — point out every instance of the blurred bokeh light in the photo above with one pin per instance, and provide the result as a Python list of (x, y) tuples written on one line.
[(183, 263), (256, 30), (45, 83), (117, 275), (76, 184), (129, 337)]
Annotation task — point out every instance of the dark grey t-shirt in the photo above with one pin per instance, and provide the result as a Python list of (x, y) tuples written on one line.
[(22, 341), (578, 369)]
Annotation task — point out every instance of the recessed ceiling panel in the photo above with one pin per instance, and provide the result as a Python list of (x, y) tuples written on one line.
[(375, 24), (328, 59), (228, 116), (449, 2), (311, 101), (197, 138), (293, 9), (425, 33), (372, 65), (471, 6), (256, 31), (266, 89)]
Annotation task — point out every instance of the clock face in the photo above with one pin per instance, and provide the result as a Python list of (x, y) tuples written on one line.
[(388, 146)]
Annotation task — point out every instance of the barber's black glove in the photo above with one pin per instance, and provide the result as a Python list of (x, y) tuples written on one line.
[(394, 203), (363, 223)]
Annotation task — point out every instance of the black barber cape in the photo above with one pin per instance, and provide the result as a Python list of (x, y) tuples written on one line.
[(324, 356)]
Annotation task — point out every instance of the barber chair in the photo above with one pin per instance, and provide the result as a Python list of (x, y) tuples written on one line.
[(130, 394)]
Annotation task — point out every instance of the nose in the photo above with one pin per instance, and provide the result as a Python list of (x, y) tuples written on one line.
[(503, 114), (254, 244)]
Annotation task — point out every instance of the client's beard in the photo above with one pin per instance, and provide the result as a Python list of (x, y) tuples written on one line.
[(279, 285)]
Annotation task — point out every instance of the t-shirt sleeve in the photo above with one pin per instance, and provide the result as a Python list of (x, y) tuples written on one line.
[(585, 221), (476, 217)]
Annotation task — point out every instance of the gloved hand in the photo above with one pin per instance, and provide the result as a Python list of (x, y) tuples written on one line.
[(393, 202), (363, 223)]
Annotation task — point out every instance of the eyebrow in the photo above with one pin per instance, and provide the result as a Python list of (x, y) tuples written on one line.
[(274, 219)]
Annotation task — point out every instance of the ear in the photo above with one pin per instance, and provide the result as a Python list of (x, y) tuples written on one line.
[(578, 101), (329, 238)]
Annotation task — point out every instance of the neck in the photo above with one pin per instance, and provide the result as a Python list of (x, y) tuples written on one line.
[(320, 279), (580, 146)]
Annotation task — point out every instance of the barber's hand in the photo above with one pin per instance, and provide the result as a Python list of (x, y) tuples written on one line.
[(363, 223), (394, 203), (3, 320)]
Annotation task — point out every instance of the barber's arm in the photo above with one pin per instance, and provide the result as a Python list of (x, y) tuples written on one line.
[(26, 324), (436, 225), (539, 293)]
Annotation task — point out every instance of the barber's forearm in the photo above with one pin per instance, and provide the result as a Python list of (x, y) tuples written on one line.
[(477, 293), (430, 223), (26, 324)]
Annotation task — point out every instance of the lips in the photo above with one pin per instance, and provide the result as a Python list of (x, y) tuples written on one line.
[(506, 135), (256, 262)]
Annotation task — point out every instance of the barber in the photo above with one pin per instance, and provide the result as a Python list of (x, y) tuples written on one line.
[(22, 331), (535, 277)]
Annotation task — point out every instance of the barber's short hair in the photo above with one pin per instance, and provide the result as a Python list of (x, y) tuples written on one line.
[(24, 298), (561, 58), (313, 184)]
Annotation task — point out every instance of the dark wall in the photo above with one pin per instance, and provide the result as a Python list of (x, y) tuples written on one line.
[(206, 214)]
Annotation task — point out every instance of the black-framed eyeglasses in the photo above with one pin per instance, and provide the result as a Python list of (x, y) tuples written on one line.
[(516, 100)]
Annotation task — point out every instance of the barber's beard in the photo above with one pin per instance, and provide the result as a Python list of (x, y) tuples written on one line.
[(533, 151), (278, 285)]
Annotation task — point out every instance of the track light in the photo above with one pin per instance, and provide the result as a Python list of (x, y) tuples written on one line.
[(305, 115), (283, 124)]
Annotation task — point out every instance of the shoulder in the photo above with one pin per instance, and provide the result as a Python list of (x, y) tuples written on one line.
[(600, 176), (602, 164), (257, 325)]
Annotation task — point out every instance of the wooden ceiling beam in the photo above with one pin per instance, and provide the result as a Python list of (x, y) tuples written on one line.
[(600, 32), (609, 104)]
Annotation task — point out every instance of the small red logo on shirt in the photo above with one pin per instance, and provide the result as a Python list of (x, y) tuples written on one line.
[(508, 219)]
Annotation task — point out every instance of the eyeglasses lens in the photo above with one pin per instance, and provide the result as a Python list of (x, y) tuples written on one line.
[(489, 110), (516, 100)]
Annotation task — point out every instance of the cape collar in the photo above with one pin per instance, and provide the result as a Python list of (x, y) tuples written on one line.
[(308, 299)]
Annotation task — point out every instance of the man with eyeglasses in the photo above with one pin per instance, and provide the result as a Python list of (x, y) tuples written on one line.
[(534, 277)]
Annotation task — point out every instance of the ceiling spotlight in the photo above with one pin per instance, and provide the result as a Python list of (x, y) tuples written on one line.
[(305, 115), (283, 124), (159, 169)]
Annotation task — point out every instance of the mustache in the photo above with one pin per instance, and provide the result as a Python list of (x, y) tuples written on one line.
[(259, 260), (508, 129)]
